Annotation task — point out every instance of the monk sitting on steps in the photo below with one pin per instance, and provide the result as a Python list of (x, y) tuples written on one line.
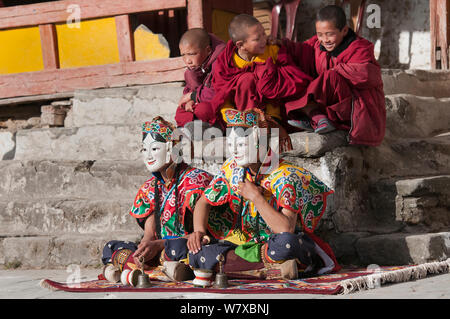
[(199, 50), (252, 73), (348, 92)]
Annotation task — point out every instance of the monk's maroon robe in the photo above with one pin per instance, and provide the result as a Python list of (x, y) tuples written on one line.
[(198, 83), (349, 89), (255, 85)]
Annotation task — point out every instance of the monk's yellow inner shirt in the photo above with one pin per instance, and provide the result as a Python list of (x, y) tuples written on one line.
[(271, 51)]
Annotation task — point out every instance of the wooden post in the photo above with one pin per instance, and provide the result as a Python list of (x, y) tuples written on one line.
[(195, 14), (49, 44), (440, 34), (125, 39)]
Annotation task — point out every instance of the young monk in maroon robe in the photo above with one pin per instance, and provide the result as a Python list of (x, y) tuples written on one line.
[(348, 92), (199, 51), (250, 73)]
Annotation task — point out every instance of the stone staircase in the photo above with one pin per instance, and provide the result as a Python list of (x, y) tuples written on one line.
[(65, 191)]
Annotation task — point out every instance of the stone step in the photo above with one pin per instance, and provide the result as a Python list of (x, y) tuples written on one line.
[(417, 82), (71, 179), (118, 138), (132, 105), (65, 215), (105, 179), (409, 157), (410, 116), (126, 105), (424, 201), (389, 249), (55, 251), (403, 248), (123, 142), (424, 186), (114, 142), (420, 203)]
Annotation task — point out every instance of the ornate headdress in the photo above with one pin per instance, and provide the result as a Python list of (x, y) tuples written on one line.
[(160, 129), (256, 117)]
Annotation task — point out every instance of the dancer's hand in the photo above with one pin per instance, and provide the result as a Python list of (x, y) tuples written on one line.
[(147, 249), (196, 240), (249, 190)]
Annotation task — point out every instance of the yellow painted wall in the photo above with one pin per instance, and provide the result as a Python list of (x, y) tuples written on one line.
[(220, 22), (20, 50), (93, 43), (149, 46)]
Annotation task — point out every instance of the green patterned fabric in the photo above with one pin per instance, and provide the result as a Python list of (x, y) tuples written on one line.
[(286, 186), (250, 251)]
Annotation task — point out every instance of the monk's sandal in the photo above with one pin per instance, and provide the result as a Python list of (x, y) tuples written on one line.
[(324, 126), (302, 123)]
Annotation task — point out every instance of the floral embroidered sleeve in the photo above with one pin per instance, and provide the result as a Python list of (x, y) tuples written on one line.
[(302, 192), (143, 204), (194, 185), (222, 219)]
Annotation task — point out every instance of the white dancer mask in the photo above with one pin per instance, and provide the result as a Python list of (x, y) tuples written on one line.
[(155, 154), (242, 145)]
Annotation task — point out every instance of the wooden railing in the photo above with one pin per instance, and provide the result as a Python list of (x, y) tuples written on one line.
[(53, 79)]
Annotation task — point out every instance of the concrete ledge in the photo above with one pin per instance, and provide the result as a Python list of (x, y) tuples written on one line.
[(123, 106), (424, 185), (34, 180), (403, 248), (417, 82), (7, 145), (58, 251), (66, 215), (410, 116)]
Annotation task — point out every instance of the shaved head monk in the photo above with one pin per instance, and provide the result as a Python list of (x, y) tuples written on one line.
[(252, 73), (199, 50), (347, 93)]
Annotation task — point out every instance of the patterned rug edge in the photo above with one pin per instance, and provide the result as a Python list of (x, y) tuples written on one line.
[(346, 286), (56, 286), (396, 276)]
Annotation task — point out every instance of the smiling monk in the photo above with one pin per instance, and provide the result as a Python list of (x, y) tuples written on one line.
[(348, 92)]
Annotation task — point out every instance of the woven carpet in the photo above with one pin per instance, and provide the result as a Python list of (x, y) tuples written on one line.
[(343, 282)]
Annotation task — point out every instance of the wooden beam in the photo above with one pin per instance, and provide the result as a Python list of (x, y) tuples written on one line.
[(49, 44), (195, 14), (125, 39), (433, 28), (111, 75), (57, 11), (440, 34)]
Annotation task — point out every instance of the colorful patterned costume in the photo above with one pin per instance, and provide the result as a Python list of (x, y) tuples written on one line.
[(286, 186), (238, 225), (174, 198), (171, 201)]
